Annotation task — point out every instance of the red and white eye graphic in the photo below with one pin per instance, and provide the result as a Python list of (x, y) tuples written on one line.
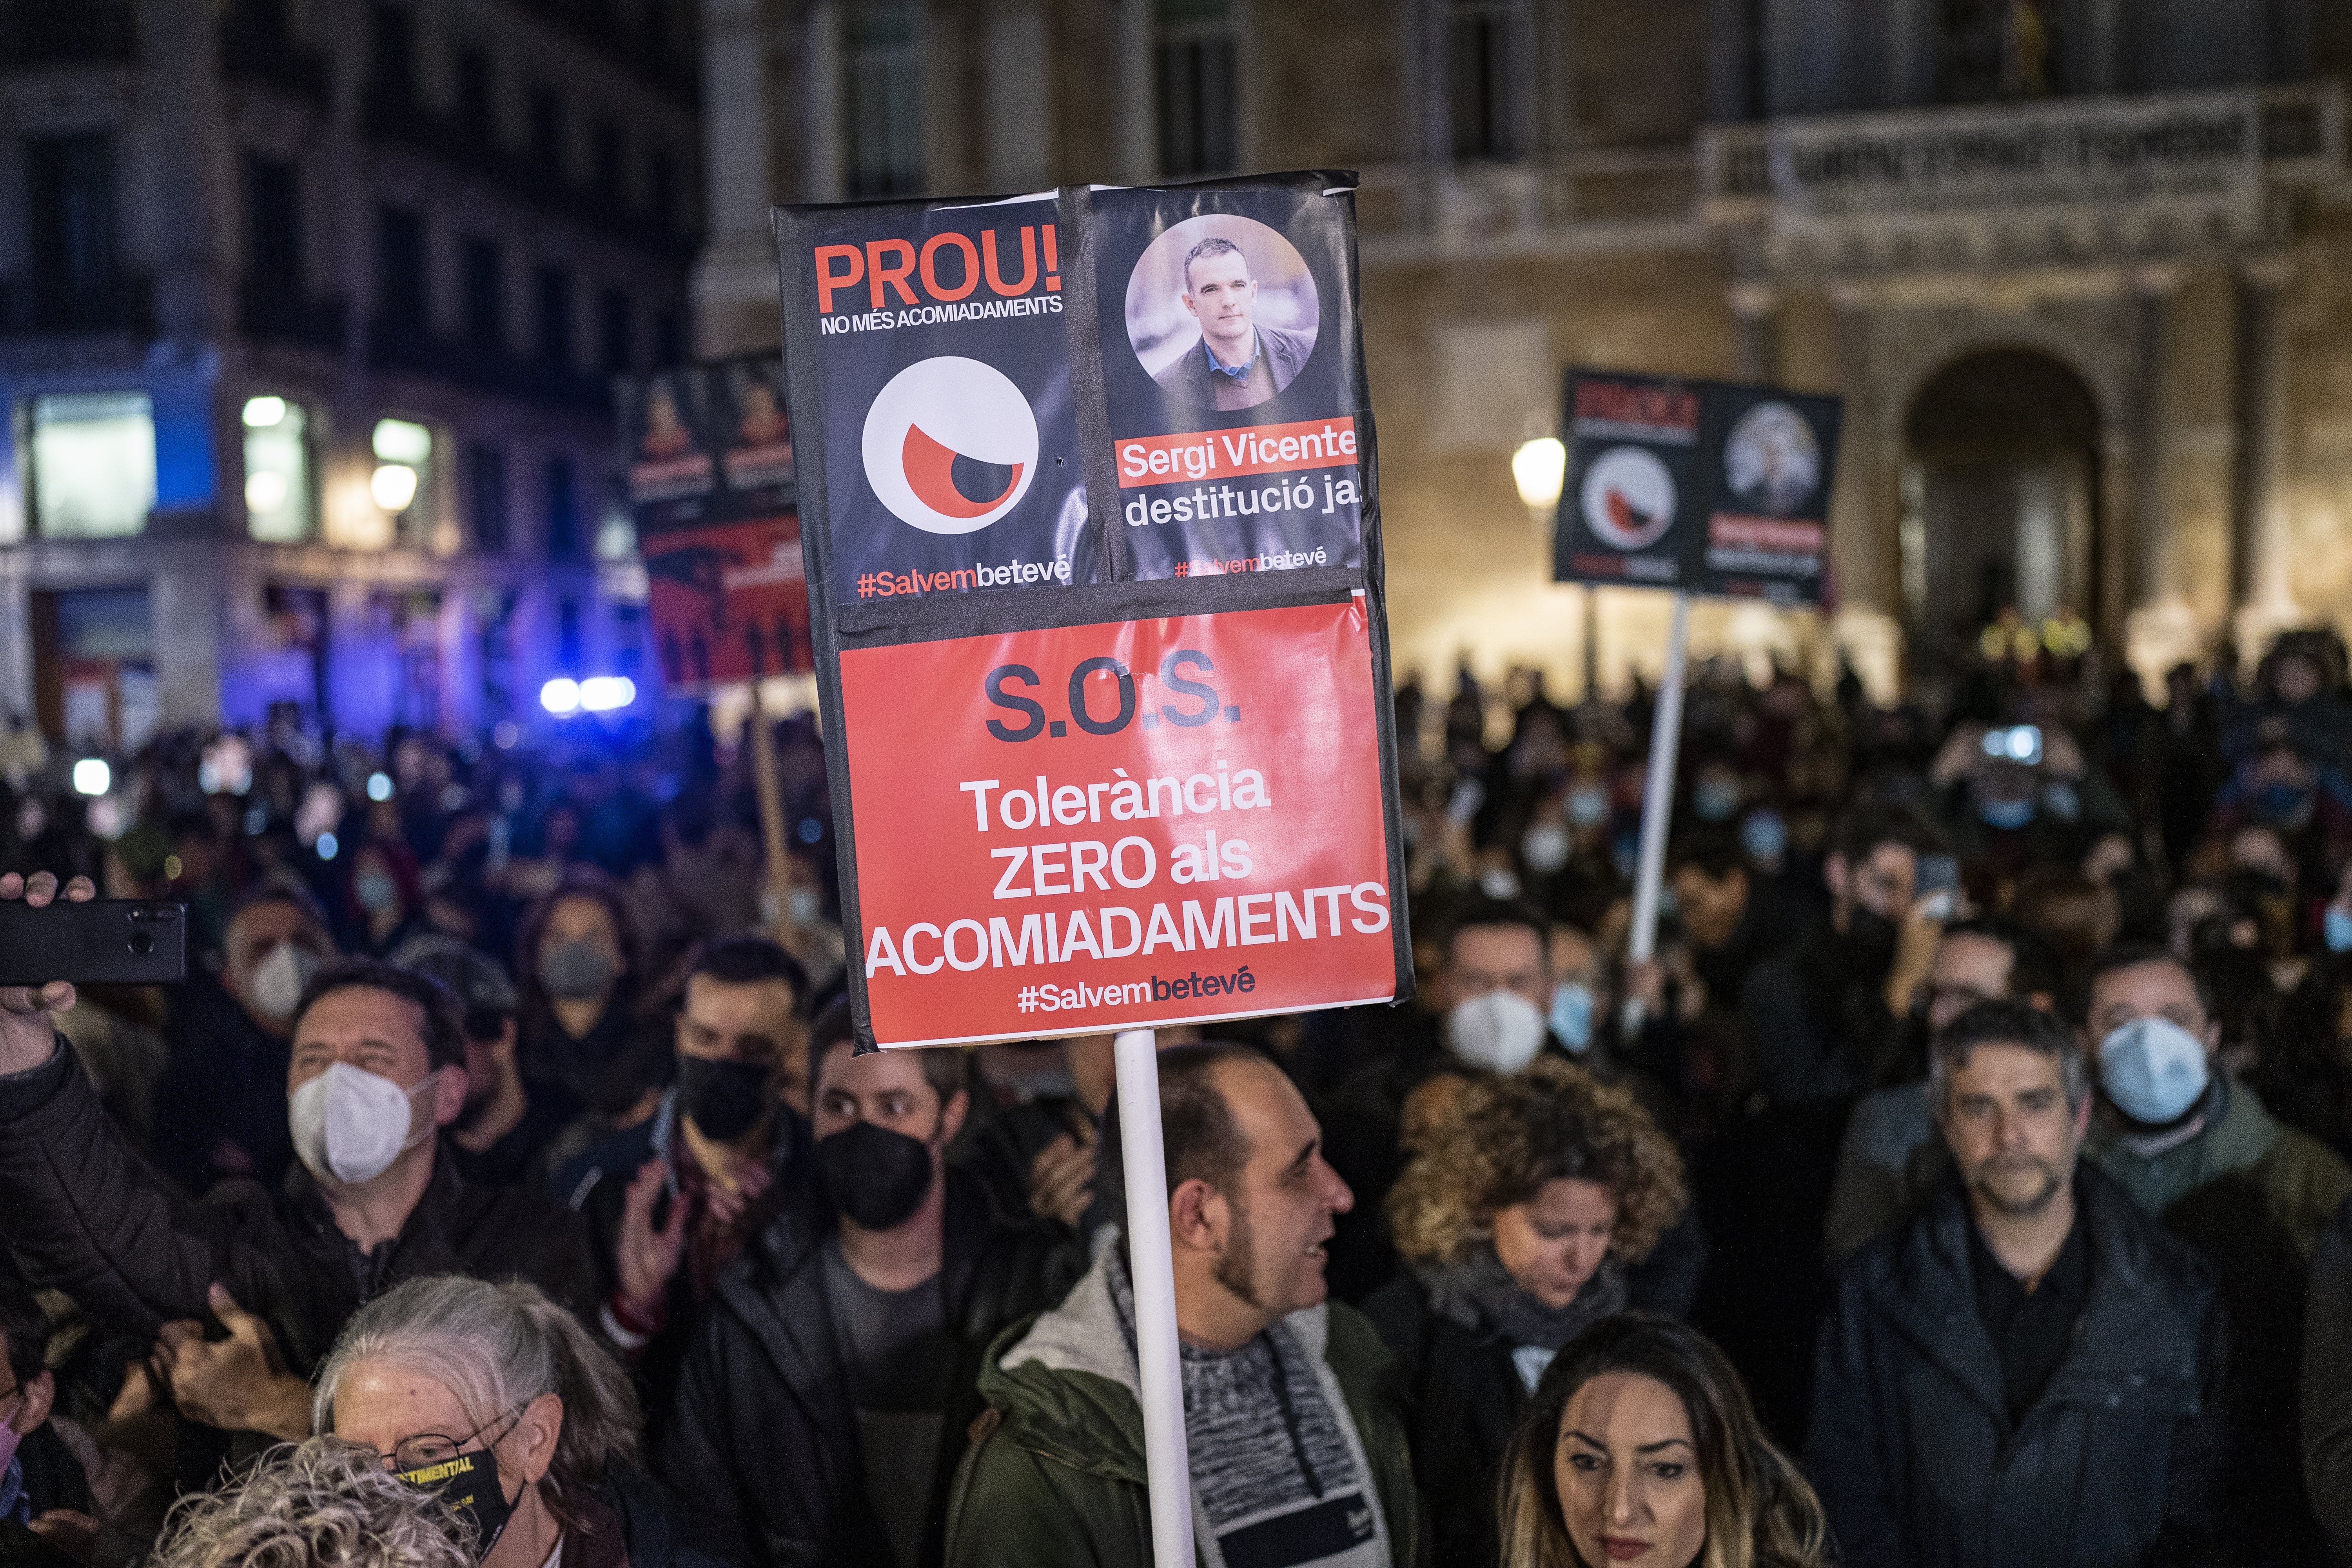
[(1628, 497), (950, 445)]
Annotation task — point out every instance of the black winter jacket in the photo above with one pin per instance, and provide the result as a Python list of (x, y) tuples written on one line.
[(2116, 1463), (763, 1448), (85, 1215)]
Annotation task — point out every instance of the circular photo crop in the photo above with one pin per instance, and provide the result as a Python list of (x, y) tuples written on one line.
[(1222, 312)]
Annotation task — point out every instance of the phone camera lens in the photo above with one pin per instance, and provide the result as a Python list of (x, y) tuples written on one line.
[(142, 941)]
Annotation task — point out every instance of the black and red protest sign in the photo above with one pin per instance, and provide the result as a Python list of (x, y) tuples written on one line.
[(1087, 488), (707, 462), (1702, 486)]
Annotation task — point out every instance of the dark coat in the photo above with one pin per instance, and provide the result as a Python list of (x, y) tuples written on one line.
[(88, 1216), (626, 1521), (764, 1446), (2327, 1383), (1189, 378), (2116, 1463)]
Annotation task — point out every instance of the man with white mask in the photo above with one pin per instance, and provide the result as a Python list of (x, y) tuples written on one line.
[(2197, 1149), (376, 1069), (226, 1081)]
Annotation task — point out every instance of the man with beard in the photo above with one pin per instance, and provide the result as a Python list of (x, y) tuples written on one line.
[(1298, 1452), (825, 1404), (2029, 1370), (508, 1121)]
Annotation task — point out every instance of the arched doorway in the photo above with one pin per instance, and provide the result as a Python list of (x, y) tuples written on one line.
[(1999, 501)]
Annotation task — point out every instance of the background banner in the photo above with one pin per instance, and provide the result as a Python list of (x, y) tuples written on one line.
[(1703, 486), (1107, 762)]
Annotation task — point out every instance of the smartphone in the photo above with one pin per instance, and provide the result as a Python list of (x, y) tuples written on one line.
[(1939, 884), (2018, 743), (106, 941)]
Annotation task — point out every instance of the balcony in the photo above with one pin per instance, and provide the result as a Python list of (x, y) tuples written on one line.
[(287, 316), (1585, 203), (403, 123), (122, 306), (2061, 181), (400, 345)]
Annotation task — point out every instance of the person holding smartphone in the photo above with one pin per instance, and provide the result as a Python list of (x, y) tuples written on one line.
[(377, 1069)]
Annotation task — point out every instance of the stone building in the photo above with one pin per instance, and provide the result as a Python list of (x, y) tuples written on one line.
[(2081, 268), (307, 312)]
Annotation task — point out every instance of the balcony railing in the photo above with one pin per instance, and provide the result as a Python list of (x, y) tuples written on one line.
[(1585, 200), (401, 345)]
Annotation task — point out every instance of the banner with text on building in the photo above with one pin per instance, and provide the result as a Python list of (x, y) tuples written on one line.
[(1087, 487), (1700, 486)]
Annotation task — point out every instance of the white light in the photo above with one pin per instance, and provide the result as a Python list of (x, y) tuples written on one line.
[(379, 787), (91, 776), (1539, 468), (603, 693), (265, 492), (327, 846), (561, 695), (399, 441), (394, 486), (261, 412)]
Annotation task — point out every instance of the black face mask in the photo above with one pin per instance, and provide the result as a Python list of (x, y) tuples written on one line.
[(469, 1485), (872, 1175), (1869, 938), (723, 1100)]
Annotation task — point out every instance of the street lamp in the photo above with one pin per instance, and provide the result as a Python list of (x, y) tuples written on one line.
[(1539, 468)]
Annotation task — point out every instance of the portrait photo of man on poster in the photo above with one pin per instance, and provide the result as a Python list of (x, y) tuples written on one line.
[(1222, 312)]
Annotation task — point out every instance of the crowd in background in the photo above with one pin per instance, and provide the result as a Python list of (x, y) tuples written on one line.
[(1963, 1182)]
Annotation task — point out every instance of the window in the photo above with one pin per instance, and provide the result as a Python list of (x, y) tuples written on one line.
[(400, 292), (93, 464), (402, 484), (617, 334), (1194, 63), (1482, 55), (661, 185), (552, 287), (477, 108), (394, 54), (669, 340), (485, 279), (608, 163), (278, 503), (562, 510), (547, 132), (74, 225), (883, 101), (273, 215), (486, 496)]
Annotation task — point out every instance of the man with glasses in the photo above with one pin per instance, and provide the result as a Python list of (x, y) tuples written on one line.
[(1892, 1157)]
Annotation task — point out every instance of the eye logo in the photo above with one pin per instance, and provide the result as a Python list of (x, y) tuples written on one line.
[(1628, 497), (950, 445)]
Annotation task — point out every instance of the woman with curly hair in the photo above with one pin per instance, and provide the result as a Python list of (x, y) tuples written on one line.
[(325, 1503), (1640, 1449), (1517, 1222)]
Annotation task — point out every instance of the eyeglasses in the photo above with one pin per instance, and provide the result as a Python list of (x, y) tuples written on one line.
[(428, 1449)]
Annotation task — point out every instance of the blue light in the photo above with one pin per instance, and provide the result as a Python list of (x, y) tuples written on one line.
[(92, 777), (560, 696), (603, 693), (327, 846), (811, 830), (379, 787)]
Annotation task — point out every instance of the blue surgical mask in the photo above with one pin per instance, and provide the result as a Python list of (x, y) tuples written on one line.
[(1572, 1015), (1588, 806), (2006, 814), (375, 890), (2336, 930), (1714, 800), (2153, 1069), (1764, 837)]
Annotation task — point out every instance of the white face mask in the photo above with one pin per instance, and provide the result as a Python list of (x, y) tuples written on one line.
[(1500, 1031), (275, 987), (1545, 847), (349, 1125), (2153, 1069)]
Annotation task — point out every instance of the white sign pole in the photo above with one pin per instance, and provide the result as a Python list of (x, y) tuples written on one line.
[(1658, 794), (1160, 1372)]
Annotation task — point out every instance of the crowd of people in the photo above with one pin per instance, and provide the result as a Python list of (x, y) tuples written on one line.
[(1962, 1183)]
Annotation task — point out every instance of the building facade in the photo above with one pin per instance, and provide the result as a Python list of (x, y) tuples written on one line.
[(2081, 269), (308, 312)]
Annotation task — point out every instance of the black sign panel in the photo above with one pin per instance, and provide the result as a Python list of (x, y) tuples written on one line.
[(1701, 486)]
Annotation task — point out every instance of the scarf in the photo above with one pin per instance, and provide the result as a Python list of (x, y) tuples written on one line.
[(1479, 1293)]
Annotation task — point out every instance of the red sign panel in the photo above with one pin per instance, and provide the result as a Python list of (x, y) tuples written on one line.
[(729, 601), (1120, 825)]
